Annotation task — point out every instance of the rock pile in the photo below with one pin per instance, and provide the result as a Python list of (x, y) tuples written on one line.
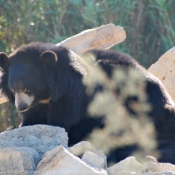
[(21, 149), (43, 150)]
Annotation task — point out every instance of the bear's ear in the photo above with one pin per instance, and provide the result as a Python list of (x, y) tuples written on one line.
[(48, 59), (3, 62)]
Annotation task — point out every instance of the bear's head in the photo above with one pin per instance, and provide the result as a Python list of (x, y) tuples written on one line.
[(37, 72), (23, 77)]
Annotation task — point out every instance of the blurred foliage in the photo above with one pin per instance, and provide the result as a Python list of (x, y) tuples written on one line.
[(149, 25), (123, 126), (9, 117)]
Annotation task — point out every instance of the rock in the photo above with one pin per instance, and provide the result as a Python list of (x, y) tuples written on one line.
[(19, 160), (21, 149), (94, 160), (158, 167), (41, 138), (80, 148), (99, 153), (103, 37), (83, 146), (151, 167), (127, 166), (164, 70), (61, 161), (161, 173)]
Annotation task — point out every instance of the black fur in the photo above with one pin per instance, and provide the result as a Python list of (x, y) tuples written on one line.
[(50, 71)]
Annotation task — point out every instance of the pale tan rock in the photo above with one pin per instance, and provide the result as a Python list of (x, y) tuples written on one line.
[(164, 69), (103, 37), (61, 161)]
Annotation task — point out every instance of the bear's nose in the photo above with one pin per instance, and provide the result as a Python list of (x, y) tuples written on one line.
[(22, 106)]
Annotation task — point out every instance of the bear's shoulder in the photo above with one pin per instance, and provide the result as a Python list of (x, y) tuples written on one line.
[(114, 58), (110, 60)]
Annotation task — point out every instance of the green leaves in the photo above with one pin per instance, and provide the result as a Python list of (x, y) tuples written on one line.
[(161, 3)]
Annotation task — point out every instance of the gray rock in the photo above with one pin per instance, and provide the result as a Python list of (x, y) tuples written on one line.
[(127, 166), (94, 160), (19, 160), (41, 138), (60, 161), (83, 146), (157, 167)]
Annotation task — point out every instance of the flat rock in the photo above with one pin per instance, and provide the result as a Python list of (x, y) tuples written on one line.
[(61, 161), (164, 70), (41, 138)]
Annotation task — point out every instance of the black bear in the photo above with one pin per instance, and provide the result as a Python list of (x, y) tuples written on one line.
[(45, 82)]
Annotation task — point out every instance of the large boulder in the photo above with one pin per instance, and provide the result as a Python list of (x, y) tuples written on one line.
[(164, 70), (41, 138)]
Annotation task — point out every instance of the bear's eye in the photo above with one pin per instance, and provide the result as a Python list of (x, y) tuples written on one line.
[(27, 91)]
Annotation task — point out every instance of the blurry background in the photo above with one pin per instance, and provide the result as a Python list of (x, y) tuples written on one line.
[(150, 27)]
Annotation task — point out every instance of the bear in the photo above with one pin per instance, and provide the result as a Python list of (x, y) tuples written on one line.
[(45, 82)]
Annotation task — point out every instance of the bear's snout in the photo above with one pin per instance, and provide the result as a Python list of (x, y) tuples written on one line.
[(23, 101), (22, 107)]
